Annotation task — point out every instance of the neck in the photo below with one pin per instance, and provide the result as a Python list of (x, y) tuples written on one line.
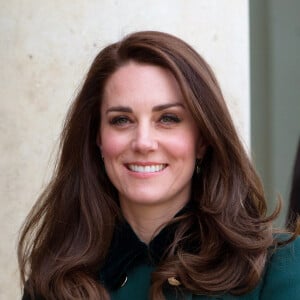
[(147, 220)]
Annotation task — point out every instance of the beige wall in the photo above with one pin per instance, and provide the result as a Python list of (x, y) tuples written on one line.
[(47, 46)]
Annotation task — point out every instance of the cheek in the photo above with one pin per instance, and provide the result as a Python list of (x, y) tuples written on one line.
[(111, 145), (182, 145), (185, 142)]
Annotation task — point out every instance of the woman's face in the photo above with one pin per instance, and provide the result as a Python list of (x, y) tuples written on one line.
[(148, 138)]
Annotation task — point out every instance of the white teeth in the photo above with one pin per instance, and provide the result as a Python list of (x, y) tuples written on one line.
[(146, 169)]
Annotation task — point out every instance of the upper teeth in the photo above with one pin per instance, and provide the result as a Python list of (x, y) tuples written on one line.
[(146, 169)]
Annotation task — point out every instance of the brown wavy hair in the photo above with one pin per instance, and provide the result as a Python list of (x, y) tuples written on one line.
[(66, 236)]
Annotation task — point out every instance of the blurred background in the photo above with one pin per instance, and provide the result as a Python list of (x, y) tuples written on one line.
[(47, 47), (275, 94)]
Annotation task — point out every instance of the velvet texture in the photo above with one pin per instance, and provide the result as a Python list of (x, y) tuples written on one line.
[(127, 251)]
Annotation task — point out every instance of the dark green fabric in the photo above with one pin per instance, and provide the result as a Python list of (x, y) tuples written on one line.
[(281, 280), (127, 251)]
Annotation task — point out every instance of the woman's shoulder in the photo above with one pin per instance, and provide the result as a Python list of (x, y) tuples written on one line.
[(285, 257), (282, 276), (281, 279), (292, 248)]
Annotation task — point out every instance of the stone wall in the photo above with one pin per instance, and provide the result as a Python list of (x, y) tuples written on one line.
[(46, 48)]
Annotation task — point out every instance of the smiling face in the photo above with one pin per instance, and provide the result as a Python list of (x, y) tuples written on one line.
[(148, 138)]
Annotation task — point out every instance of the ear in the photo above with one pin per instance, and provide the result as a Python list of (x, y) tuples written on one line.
[(201, 148)]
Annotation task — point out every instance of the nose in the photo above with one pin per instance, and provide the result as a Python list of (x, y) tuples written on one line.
[(144, 139)]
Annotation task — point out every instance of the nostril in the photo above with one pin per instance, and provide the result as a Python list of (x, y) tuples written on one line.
[(144, 144)]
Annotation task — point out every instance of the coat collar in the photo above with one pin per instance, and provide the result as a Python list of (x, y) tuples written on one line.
[(127, 251)]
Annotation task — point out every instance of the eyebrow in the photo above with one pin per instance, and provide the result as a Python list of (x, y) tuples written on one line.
[(120, 109), (127, 109), (168, 105)]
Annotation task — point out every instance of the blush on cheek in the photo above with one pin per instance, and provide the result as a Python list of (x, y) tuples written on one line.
[(112, 146), (182, 146)]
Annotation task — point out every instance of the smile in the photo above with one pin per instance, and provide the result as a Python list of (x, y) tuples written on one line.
[(146, 169)]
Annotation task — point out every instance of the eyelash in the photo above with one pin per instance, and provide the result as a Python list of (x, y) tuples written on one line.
[(170, 119), (166, 119), (119, 120)]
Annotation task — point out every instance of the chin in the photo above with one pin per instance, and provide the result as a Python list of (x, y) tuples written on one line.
[(145, 199)]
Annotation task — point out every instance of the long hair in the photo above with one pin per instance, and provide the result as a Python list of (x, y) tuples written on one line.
[(66, 236), (294, 207)]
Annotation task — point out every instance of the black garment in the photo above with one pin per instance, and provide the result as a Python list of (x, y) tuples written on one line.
[(127, 251)]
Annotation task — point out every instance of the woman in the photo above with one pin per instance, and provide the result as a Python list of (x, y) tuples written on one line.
[(153, 195)]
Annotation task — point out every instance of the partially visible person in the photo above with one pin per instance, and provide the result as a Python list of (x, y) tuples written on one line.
[(294, 206), (154, 196)]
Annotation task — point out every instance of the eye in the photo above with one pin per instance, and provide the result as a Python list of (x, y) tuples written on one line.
[(120, 121), (169, 119)]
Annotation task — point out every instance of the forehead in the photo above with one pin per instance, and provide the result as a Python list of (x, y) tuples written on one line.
[(135, 82)]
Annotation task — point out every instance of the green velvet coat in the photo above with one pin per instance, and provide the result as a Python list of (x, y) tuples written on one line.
[(126, 273), (281, 280)]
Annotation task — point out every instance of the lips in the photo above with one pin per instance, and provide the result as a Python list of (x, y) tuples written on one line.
[(146, 168)]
